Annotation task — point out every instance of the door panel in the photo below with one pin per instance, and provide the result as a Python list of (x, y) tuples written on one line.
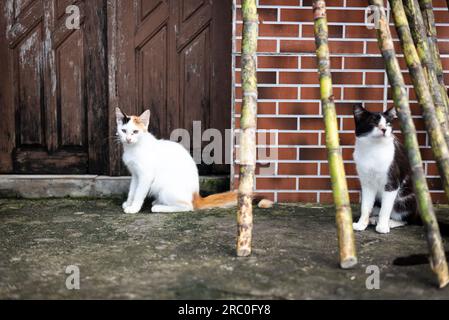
[(174, 57), (28, 56), (57, 87)]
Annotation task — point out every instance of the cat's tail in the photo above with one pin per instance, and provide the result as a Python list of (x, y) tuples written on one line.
[(224, 200)]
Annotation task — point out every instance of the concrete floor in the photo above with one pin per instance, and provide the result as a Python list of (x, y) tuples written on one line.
[(191, 255)]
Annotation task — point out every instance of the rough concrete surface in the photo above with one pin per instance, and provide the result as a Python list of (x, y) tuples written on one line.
[(191, 255)]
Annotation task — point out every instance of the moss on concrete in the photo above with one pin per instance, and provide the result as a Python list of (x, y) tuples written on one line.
[(191, 255)]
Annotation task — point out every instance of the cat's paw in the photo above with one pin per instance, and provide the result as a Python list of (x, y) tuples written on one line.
[(126, 204), (132, 209), (383, 228), (359, 226)]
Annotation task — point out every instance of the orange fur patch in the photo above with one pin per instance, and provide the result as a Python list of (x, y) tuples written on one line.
[(138, 123), (220, 200)]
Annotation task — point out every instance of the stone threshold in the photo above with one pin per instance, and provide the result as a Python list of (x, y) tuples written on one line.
[(84, 186)]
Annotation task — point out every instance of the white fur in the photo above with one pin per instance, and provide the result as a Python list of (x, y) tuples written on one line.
[(373, 155), (160, 168)]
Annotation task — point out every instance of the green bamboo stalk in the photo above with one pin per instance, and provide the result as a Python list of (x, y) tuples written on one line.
[(438, 259), (418, 30), (346, 242), (439, 146), (248, 124), (431, 32)]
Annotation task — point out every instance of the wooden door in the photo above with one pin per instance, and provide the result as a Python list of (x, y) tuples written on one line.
[(53, 96), (173, 57)]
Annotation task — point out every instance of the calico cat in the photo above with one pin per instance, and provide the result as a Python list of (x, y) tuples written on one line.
[(384, 172), (163, 170)]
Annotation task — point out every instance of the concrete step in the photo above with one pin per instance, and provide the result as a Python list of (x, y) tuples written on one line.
[(84, 186)]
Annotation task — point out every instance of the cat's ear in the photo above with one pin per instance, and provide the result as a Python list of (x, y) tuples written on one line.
[(359, 111), (120, 116), (145, 118), (391, 114)]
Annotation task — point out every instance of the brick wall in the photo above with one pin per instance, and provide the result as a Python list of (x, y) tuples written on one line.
[(289, 102)]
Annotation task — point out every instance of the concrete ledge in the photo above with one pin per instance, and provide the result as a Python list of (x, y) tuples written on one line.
[(83, 186)]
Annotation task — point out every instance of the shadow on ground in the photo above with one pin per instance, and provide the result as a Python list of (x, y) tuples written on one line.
[(191, 255)]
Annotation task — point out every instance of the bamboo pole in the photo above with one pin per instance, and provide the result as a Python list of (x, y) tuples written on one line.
[(439, 146), (346, 243), (418, 30), (400, 96), (248, 123), (431, 32)]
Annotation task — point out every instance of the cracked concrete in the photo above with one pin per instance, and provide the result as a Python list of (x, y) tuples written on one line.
[(191, 255)]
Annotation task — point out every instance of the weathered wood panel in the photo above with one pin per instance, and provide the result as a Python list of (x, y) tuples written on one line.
[(71, 102), (28, 61), (152, 73), (174, 58), (58, 89)]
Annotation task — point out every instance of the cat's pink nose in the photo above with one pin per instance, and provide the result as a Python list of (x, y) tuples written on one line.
[(128, 140)]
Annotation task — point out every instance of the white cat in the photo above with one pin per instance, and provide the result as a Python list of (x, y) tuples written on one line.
[(384, 172), (162, 169)]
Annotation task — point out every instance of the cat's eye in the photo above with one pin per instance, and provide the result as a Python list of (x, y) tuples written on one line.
[(136, 131), (124, 130)]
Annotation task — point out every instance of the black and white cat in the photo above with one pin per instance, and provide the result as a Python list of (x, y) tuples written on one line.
[(384, 172)]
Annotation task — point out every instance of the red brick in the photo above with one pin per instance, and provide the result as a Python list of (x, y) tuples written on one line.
[(265, 195), (438, 197), (265, 14), (350, 169), (298, 168), (309, 93), (262, 77), (298, 78), (312, 154), (277, 62), (275, 183), (364, 63), (329, 3), (355, 3), (263, 45), (344, 108), (278, 93), (296, 15), (273, 123), (296, 46), (432, 169), (328, 198), (361, 32), (277, 123), (312, 124), (299, 108), (309, 197), (278, 30), (347, 77), (278, 153), (311, 63), (335, 32), (262, 107), (298, 139), (374, 78), (364, 93), (279, 2), (337, 46)]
